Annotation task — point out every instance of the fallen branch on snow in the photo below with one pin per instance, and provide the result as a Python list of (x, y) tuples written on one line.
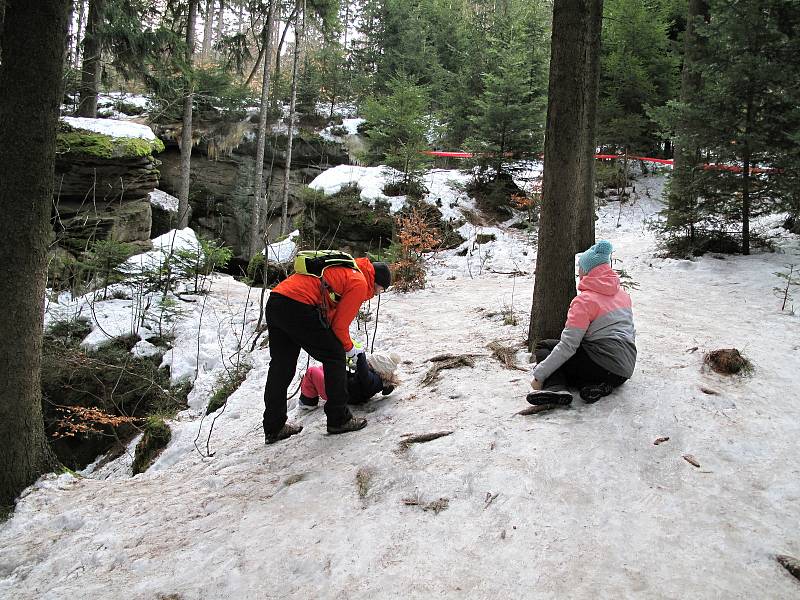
[(505, 354), (448, 361), (420, 438), (539, 408)]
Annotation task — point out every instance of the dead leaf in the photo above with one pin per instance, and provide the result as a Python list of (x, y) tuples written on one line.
[(661, 440), (691, 460)]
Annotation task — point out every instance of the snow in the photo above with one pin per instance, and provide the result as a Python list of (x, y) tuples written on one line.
[(164, 201), (350, 125), (115, 317), (586, 505), (118, 129), (284, 250), (443, 185)]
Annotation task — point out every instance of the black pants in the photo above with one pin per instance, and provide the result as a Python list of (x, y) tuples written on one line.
[(293, 325), (578, 371)]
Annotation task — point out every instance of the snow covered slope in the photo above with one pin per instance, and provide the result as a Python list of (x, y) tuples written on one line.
[(577, 503)]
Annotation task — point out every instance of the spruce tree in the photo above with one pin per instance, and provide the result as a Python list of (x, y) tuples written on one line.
[(747, 119)]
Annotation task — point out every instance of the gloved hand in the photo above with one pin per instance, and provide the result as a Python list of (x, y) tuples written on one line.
[(354, 351)]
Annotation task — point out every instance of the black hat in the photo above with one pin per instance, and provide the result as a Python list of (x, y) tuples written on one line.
[(383, 276)]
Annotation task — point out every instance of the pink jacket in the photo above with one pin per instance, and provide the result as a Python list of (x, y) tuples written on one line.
[(600, 319)]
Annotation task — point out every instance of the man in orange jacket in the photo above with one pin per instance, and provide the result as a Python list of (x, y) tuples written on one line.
[(299, 315)]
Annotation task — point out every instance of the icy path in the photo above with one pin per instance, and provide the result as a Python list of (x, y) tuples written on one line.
[(586, 506)]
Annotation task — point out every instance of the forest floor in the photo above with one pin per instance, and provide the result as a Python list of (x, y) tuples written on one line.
[(575, 503)]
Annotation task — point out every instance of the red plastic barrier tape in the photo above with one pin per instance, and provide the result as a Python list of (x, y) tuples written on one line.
[(662, 161)]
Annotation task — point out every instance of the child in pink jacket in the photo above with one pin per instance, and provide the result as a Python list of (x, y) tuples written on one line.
[(372, 373), (597, 349)]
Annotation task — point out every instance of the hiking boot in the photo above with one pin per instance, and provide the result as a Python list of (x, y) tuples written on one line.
[(387, 389), (593, 393), (306, 403), (557, 397), (354, 424), (288, 430)]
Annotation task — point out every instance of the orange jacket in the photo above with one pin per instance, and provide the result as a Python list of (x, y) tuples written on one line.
[(352, 287)]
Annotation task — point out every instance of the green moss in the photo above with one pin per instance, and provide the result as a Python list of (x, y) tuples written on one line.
[(226, 385), (81, 142), (157, 435)]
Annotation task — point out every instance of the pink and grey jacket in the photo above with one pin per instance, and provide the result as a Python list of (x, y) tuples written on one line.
[(600, 319)]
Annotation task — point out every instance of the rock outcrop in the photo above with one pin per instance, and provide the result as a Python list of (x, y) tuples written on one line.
[(102, 183), (223, 165)]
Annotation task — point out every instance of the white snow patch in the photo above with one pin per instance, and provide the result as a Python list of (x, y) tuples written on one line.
[(114, 128), (164, 201), (283, 251)]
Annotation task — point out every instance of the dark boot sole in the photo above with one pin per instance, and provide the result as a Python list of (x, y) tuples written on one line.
[(546, 397), (347, 428), (282, 435)]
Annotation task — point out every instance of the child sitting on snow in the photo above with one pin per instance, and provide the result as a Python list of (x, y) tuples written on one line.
[(373, 373), (597, 349)]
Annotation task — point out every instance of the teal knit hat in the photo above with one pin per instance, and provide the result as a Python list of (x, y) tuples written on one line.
[(599, 254)]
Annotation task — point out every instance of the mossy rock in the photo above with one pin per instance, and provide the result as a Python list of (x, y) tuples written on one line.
[(353, 222), (157, 435), (85, 143), (109, 379)]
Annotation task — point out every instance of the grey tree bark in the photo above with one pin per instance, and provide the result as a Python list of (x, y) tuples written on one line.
[(570, 108), (221, 20), (585, 233), (186, 133), (76, 61), (301, 20), (91, 68), (208, 29), (33, 41), (259, 197)]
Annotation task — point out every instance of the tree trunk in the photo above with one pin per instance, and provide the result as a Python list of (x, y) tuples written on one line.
[(186, 133), (301, 20), (208, 30), (746, 161), (571, 88), (585, 234), (33, 41), (92, 69), (258, 180), (681, 199), (76, 62), (280, 44), (221, 20)]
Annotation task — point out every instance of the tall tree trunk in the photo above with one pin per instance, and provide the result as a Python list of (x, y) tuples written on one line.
[(221, 20), (186, 133), (33, 41), (76, 62), (91, 70), (258, 180), (280, 44), (571, 88), (208, 30), (240, 19), (301, 20), (585, 233), (746, 162), (681, 200)]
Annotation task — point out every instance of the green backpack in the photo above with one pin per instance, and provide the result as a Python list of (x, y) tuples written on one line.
[(314, 262)]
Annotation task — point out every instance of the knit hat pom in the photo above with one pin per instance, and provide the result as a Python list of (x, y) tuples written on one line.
[(603, 247), (599, 254)]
